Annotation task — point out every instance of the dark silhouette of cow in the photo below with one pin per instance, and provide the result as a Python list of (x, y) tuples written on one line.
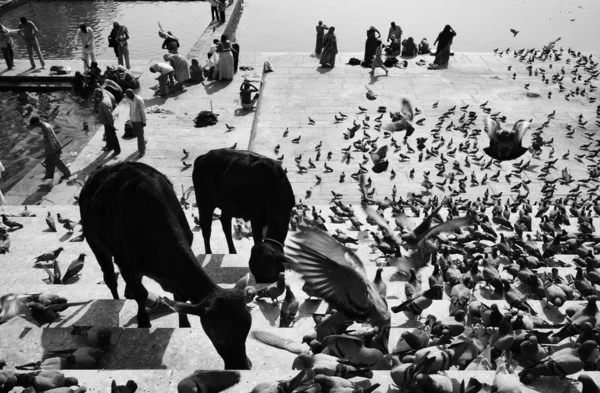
[(129, 211), (253, 187)]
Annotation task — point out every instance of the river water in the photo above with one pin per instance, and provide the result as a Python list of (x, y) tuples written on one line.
[(58, 21), (289, 25)]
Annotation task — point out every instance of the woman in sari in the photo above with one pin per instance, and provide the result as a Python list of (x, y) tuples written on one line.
[(225, 58), (330, 49), (371, 45), (444, 41), (182, 69), (320, 33)]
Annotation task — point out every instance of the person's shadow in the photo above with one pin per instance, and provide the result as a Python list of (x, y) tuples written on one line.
[(216, 86)]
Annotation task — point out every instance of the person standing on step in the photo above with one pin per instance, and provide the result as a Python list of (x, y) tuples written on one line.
[(53, 148), (112, 39), (222, 9), (29, 32), (395, 31), (122, 44), (214, 10), (137, 115), (85, 37), (320, 33), (6, 44), (236, 56), (107, 119)]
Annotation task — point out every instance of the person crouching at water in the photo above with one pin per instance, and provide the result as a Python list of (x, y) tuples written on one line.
[(377, 60), (320, 33), (166, 73), (246, 90), (424, 47), (171, 43), (53, 149), (85, 37)]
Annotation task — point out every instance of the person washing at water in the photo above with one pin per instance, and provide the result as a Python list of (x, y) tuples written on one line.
[(29, 32), (170, 43), (53, 149), (85, 37)]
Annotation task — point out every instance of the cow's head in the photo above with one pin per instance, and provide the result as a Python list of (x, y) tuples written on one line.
[(266, 261), (226, 321)]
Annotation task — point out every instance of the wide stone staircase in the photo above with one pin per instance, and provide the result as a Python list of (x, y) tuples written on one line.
[(159, 357)]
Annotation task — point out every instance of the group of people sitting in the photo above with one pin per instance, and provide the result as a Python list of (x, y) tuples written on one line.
[(116, 80), (374, 46)]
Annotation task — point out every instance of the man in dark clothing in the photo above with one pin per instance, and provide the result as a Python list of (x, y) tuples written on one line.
[(53, 149), (112, 40), (246, 90), (236, 56), (106, 118)]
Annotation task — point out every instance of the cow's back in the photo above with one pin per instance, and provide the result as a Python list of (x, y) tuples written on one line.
[(128, 207), (241, 182)]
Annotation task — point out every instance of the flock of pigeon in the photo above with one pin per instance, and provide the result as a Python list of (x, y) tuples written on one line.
[(519, 278)]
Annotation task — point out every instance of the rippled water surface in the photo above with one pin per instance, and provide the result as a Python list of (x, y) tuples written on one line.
[(58, 22), (21, 148), (482, 25)]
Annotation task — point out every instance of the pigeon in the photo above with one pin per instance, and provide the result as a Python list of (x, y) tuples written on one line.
[(370, 94), (403, 119), (185, 154), (186, 165), (505, 144), (514, 32), (49, 256), (50, 222), (10, 223), (336, 274), (229, 128), (274, 290), (74, 268)]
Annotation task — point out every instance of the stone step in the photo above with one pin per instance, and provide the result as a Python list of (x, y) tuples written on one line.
[(166, 380)]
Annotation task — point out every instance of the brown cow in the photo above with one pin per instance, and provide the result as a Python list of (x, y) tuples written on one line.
[(129, 211), (253, 187)]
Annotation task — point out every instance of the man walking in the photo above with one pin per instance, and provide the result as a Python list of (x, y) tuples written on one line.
[(29, 33), (85, 37), (122, 37), (106, 118), (222, 9), (137, 115), (53, 148)]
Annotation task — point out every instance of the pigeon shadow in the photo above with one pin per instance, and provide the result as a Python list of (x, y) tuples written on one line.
[(65, 237), (324, 70), (269, 310)]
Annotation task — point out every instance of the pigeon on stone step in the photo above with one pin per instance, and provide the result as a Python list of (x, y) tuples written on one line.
[(273, 291), (50, 222), (74, 268), (49, 256), (13, 225)]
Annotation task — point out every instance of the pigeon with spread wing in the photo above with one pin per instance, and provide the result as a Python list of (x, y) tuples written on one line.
[(505, 144), (336, 274), (401, 121), (380, 164)]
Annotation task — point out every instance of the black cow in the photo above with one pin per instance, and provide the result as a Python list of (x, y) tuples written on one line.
[(129, 211), (253, 187)]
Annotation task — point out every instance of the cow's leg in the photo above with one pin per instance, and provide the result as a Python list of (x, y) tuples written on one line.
[(258, 229), (206, 224), (226, 223), (134, 282), (105, 261), (184, 322)]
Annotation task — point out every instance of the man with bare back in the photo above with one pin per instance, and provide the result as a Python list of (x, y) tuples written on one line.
[(29, 32)]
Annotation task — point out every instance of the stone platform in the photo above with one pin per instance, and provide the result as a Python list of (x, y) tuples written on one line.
[(295, 91)]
